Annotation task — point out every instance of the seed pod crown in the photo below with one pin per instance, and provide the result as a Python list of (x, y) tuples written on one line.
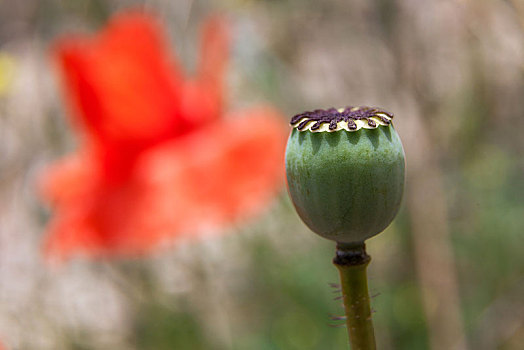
[(349, 119)]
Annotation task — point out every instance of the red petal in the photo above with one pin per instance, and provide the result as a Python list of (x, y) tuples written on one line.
[(224, 173), (123, 83), (69, 178), (110, 221), (201, 183)]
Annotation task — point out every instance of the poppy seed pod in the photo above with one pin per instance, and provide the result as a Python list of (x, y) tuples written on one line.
[(345, 171)]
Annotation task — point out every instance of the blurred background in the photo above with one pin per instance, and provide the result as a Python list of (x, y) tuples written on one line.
[(447, 274)]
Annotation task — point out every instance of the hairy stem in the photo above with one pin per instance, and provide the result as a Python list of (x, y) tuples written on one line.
[(352, 261)]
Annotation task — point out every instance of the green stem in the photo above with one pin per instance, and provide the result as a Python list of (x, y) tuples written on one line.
[(352, 261)]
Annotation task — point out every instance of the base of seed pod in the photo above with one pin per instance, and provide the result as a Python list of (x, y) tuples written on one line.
[(351, 254)]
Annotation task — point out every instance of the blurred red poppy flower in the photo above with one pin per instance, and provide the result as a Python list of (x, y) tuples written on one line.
[(158, 158)]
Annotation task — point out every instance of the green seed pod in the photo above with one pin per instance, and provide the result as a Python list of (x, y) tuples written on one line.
[(345, 171)]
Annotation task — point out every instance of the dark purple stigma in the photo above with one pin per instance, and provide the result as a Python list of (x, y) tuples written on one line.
[(333, 117)]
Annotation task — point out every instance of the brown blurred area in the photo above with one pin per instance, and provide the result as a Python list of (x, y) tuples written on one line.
[(450, 270)]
